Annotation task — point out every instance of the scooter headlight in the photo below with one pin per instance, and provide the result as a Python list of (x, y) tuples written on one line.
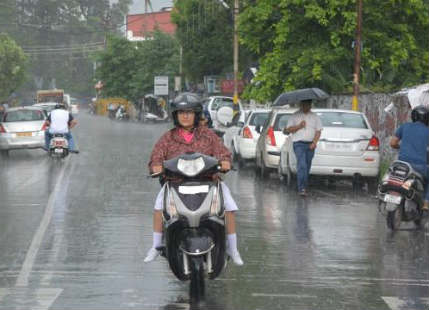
[(191, 168)]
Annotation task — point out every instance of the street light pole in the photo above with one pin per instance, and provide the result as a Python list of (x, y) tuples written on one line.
[(236, 11), (357, 56)]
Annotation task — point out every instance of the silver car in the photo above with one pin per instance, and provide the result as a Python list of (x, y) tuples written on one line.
[(22, 128)]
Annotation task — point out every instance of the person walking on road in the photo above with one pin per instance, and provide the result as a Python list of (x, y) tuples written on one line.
[(306, 128)]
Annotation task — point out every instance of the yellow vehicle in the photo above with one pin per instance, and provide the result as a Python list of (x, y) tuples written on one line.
[(51, 95), (102, 105)]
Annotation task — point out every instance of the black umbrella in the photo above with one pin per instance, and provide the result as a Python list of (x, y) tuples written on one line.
[(298, 95)]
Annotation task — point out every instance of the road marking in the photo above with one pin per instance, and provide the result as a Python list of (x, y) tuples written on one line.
[(407, 303), (24, 298), (38, 237)]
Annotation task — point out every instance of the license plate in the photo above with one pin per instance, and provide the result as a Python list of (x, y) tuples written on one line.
[(60, 151), (24, 134), (339, 146), (189, 190), (392, 199)]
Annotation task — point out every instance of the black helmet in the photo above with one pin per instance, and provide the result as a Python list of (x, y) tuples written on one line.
[(420, 114), (188, 102)]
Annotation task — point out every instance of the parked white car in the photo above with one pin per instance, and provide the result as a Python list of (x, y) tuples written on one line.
[(347, 148), (271, 139), (215, 103), (245, 140)]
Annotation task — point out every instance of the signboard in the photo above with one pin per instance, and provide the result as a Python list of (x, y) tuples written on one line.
[(161, 86), (227, 86)]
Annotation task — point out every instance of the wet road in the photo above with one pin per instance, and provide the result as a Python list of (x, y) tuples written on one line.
[(73, 236)]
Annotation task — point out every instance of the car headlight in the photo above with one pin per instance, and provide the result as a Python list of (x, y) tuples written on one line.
[(191, 168)]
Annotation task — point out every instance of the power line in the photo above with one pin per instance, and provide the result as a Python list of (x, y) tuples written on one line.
[(59, 47)]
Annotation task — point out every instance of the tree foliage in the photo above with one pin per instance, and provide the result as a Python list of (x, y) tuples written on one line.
[(309, 43), (12, 66), (60, 38), (127, 69), (204, 30)]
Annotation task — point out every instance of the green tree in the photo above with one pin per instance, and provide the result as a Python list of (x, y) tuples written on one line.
[(127, 69), (156, 57), (309, 43), (204, 30), (60, 37), (12, 66)]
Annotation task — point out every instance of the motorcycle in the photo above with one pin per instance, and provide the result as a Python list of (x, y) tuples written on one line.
[(194, 224), (58, 146), (121, 114), (401, 195)]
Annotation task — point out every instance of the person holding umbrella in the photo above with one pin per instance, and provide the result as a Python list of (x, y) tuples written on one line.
[(305, 127)]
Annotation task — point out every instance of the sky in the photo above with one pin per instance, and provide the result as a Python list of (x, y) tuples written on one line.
[(138, 5)]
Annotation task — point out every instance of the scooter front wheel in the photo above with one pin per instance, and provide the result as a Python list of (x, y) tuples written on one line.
[(197, 285)]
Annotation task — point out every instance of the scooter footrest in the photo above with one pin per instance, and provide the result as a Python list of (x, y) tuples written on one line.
[(161, 250)]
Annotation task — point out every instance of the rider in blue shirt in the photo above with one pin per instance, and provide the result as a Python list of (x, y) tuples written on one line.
[(412, 140)]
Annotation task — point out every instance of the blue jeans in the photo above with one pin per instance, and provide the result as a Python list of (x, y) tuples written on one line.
[(423, 170), (69, 137), (304, 156)]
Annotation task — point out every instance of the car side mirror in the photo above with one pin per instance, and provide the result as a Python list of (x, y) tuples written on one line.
[(258, 128)]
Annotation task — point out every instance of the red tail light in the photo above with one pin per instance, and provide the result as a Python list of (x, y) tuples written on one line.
[(247, 134), (373, 144), (271, 137), (45, 125), (2, 130)]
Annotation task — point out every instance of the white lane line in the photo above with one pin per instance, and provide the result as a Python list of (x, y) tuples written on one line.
[(398, 303), (38, 237)]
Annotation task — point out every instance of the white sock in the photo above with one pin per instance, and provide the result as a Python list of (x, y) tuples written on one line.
[(157, 239), (232, 242)]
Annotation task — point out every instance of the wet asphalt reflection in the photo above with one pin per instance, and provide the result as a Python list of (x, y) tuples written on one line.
[(73, 235)]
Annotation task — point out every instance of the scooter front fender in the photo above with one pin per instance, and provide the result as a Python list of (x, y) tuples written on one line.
[(196, 242)]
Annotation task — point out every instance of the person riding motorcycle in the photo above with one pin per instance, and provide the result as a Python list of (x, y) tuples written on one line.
[(189, 136), (412, 140), (60, 121)]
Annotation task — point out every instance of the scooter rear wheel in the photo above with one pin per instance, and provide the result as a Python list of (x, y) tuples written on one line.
[(197, 285), (394, 218)]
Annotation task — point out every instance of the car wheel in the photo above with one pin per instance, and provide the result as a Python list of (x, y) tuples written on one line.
[(372, 185), (263, 170), (288, 176), (240, 161), (280, 173)]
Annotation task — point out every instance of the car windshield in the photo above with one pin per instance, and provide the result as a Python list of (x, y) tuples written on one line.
[(258, 118), (48, 108), (24, 116), (222, 102), (281, 121), (342, 119)]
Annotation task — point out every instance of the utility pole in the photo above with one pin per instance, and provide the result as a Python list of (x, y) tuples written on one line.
[(357, 56), (236, 11)]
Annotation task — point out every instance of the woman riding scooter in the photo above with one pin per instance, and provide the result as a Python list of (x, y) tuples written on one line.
[(188, 136)]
